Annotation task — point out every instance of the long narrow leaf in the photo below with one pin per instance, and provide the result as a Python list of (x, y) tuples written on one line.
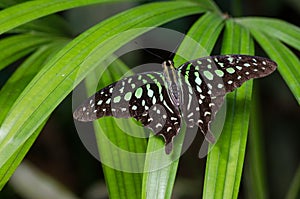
[(225, 161), (10, 92), (23, 75), (13, 162), (209, 5), (15, 47), (158, 183), (21, 13), (205, 37), (255, 175), (294, 190), (288, 63), (53, 24), (275, 28)]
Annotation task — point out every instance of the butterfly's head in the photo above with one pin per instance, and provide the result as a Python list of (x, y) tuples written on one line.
[(167, 65)]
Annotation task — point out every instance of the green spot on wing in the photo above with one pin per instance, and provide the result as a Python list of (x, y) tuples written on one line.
[(139, 92), (239, 67), (149, 91), (151, 76), (208, 75), (230, 70), (198, 80), (219, 73), (117, 99), (189, 66), (127, 96), (230, 59)]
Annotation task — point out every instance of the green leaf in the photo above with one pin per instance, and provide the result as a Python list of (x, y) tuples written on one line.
[(293, 191), (7, 3), (225, 161), (255, 174), (21, 13), (53, 24), (274, 28), (209, 5), (205, 38), (288, 63), (15, 47), (160, 168), (68, 67), (9, 93), (7, 170), (23, 75)]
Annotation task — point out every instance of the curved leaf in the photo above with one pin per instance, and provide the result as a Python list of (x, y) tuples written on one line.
[(288, 63), (52, 24), (21, 13), (8, 169), (9, 93), (275, 28), (24, 74), (255, 174), (15, 47)]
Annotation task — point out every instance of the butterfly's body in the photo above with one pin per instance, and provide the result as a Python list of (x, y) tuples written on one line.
[(172, 82), (160, 100)]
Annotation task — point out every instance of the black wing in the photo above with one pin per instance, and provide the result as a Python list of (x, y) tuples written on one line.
[(143, 97), (210, 78)]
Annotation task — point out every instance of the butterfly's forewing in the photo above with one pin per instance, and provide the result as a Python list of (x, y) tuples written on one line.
[(211, 78), (143, 97), (96, 106)]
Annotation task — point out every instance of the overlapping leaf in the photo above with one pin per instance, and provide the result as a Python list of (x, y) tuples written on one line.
[(225, 161)]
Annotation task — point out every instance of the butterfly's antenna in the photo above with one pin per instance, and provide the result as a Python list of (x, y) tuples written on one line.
[(148, 51)]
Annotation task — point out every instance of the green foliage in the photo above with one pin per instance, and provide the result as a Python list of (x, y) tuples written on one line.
[(27, 99)]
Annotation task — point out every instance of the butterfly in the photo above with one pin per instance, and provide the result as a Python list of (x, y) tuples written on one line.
[(161, 101)]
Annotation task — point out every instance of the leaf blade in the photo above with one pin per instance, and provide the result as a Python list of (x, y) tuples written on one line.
[(19, 14), (275, 28), (225, 161), (15, 47), (23, 75), (288, 63), (9, 93)]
